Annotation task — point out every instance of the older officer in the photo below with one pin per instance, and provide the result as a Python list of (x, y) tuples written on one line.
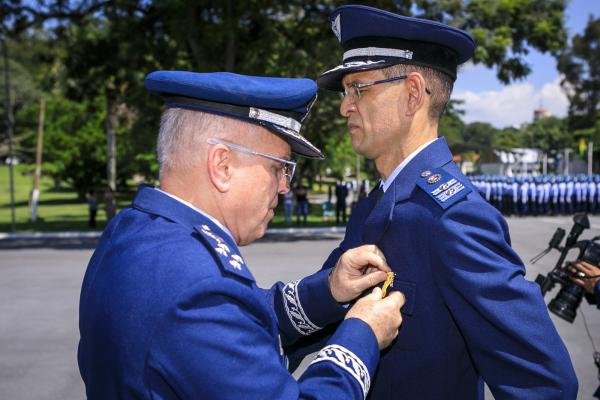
[(470, 316), (169, 308)]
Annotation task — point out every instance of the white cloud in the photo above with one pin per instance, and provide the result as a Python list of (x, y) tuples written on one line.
[(512, 105)]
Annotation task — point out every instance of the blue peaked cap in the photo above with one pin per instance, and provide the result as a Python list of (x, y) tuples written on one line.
[(373, 39), (278, 104)]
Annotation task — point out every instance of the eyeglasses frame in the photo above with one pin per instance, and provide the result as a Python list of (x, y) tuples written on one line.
[(292, 164), (357, 86)]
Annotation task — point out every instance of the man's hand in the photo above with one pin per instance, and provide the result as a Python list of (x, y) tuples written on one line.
[(357, 270), (588, 270), (382, 315)]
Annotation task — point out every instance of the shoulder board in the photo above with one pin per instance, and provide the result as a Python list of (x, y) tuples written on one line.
[(442, 187), (230, 260)]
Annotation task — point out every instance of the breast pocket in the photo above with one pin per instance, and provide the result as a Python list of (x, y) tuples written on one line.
[(411, 335), (409, 290)]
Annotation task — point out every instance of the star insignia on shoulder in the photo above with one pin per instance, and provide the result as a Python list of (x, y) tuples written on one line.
[(221, 251), (238, 258), (235, 264), (210, 234), (224, 247)]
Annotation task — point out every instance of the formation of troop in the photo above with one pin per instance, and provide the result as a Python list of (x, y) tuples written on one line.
[(541, 195)]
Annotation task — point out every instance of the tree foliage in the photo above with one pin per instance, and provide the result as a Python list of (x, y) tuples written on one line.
[(75, 147), (580, 65), (505, 31), (89, 58), (549, 135)]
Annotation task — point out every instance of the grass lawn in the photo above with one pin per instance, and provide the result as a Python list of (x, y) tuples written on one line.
[(60, 210)]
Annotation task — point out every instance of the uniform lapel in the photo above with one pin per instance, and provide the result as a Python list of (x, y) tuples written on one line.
[(154, 202), (433, 156), (379, 218), (223, 246)]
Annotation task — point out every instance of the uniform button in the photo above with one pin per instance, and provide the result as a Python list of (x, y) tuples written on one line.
[(434, 178)]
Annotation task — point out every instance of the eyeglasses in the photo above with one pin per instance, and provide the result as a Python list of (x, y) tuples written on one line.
[(288, 167), (353, 89)]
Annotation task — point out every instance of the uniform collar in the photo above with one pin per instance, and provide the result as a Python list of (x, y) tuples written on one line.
[(403, 164), (158, 202), (435, 155), (190, 205)]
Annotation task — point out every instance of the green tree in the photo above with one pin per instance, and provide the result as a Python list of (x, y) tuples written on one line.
[(108, 47), (23, 92), (580, 65), (510, 138), (74, 145), (505, 31), (479, 137), (452, 126), (549, 134)]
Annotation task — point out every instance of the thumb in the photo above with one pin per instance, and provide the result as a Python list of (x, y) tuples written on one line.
[(375, 293), (397, 297), (370, 280)]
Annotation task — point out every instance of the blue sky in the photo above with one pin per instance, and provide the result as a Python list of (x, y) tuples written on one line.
[(488, 100)]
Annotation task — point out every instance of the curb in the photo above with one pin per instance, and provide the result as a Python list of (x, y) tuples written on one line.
[(329, 229), (96, 234), (50, 235)]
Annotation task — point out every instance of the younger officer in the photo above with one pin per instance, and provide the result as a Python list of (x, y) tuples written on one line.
[(169, 308), (470, 315)]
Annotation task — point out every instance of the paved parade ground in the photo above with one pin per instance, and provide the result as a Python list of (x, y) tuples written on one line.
[(39, 295)]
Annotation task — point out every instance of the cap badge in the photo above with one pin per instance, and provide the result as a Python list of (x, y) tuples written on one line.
[(336, 28), (425, 173)]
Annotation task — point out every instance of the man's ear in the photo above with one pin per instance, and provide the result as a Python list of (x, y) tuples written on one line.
[(416, 86), (220, 170)]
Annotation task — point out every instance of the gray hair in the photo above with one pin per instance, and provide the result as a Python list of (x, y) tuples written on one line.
[(182, 137), (439, 83)]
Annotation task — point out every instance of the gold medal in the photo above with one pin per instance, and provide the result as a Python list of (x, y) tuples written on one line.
[(389, 282)]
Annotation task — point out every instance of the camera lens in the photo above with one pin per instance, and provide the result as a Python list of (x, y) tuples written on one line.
[(566, 302)]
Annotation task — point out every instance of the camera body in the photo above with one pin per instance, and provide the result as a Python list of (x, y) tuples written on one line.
[(569, 297), (591, 253)]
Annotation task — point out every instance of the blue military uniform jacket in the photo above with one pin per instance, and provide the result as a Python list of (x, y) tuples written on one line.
[(170, 310), (469, 315)]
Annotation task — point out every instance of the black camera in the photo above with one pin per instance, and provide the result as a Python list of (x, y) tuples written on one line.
[(570, 295)]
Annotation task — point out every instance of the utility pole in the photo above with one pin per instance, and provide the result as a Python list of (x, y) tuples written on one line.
[(35, 194), (545, 164), (111, 157), (111, 142), (567, 152), (9, 128)]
